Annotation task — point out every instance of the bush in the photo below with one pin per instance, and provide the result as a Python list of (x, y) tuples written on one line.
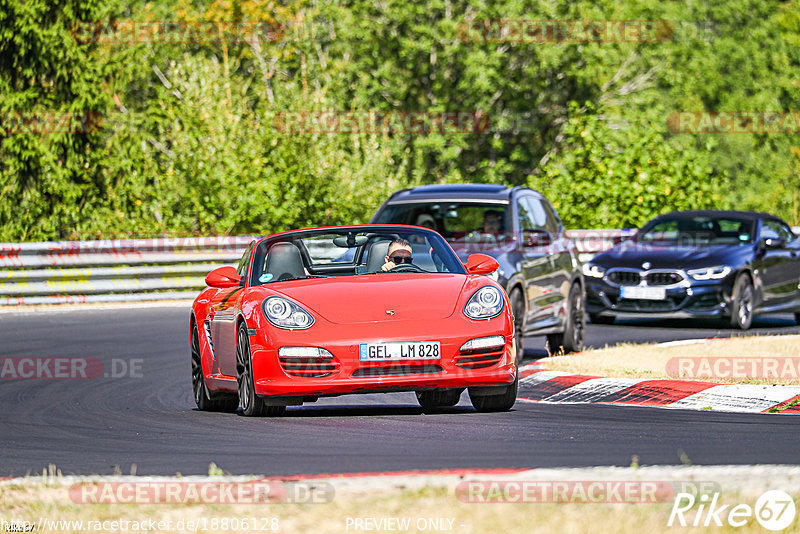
[(601, 177)]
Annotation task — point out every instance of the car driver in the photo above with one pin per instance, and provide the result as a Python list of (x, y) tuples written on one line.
[(398, 254)]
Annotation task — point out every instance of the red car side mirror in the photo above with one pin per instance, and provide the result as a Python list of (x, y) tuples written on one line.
[(223, 277), (481, 264)]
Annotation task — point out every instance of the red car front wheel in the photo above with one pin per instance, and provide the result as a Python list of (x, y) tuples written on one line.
[(252, 404), (501, 402)]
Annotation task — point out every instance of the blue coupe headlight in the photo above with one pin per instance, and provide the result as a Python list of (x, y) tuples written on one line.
[(485, 303), (710, 273), (592, 270), (286, 314)]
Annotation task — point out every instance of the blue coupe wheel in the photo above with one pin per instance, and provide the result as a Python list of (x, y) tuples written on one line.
[(742, 302)]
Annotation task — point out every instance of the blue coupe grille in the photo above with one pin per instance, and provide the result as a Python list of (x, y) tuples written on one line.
[(663, 279), (625, 278)]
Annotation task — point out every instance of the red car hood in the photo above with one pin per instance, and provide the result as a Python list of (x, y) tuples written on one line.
[(370, 298)]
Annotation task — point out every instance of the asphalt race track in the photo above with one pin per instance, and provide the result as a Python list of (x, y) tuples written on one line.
[(106, 424)]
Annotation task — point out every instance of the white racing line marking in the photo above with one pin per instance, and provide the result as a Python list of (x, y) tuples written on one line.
[(541, 376), (737, 398), (593, 389), (681, 342), (751, 479), (743, 398)]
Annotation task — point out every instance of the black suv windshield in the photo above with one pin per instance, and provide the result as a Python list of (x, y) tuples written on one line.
[(454, 220)]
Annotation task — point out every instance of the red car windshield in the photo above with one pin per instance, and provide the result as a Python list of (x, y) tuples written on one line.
[(350, 251)]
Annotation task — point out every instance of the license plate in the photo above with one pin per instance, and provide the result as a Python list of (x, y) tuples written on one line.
[(411, 350), (643, 293)]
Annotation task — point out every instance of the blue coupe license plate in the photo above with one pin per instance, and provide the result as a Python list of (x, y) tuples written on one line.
[(643, 293), (411, 350)]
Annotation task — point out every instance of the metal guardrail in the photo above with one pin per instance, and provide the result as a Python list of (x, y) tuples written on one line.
[(151, 269), (111, 270)]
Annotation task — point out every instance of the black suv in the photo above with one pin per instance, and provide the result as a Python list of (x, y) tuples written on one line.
[(519, 227)]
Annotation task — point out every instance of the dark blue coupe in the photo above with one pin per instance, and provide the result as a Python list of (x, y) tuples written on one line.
[(713, 264)]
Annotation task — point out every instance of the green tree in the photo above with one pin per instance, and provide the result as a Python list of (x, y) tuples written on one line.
[(618, 178), (48, 179)]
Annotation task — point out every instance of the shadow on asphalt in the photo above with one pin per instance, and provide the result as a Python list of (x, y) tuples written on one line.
[(707, 324), (365, 411)]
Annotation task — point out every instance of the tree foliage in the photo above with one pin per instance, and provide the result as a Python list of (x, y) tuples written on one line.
[(46, 180), (621, 178)]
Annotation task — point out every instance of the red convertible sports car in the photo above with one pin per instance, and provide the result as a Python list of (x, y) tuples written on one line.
[(352, 309)]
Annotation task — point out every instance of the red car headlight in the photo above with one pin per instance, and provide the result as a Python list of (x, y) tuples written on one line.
[(286, 314), (485, 303)]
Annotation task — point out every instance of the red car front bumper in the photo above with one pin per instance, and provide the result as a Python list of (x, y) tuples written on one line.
[(345, 373)]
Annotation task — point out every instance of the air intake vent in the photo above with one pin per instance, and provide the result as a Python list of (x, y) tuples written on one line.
[(309, 367), (207, 327), (395, 370), (478, 361)]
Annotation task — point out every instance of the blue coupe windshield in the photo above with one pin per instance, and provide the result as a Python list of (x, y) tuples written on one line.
[(698, 231)]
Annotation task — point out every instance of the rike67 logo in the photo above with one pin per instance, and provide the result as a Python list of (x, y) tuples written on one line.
[(774, 510)]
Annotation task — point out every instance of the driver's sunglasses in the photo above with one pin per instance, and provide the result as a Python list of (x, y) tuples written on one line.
[(400, 259)]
